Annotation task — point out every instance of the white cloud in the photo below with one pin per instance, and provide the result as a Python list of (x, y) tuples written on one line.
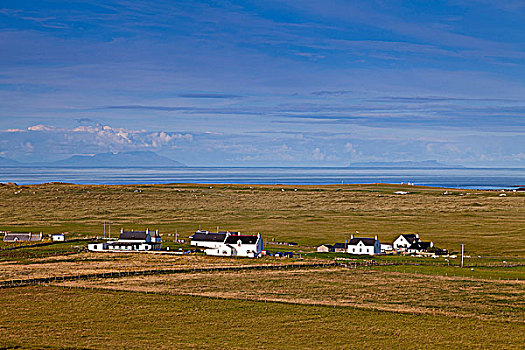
[(317, 154), (41, 127)]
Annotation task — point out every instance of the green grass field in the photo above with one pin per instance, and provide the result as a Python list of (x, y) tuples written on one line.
[(423, 303), (312, 215), (59, 318)]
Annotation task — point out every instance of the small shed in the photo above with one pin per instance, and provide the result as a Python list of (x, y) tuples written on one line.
[(325, 248), (340, 247), (22, 237), (58, 237)]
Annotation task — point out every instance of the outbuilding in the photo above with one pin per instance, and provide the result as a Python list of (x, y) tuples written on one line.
[(13, 237), (58, 237), (325, 248)]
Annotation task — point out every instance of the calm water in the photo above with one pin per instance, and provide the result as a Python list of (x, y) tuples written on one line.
[(482, 178)]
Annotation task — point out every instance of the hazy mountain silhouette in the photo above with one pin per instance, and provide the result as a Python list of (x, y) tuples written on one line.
[(121, 159), (405, 164)]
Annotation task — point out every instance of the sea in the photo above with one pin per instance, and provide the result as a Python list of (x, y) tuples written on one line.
[(467, 178)]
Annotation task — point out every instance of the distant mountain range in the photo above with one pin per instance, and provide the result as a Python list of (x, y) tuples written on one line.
[(121, 159), (406, 164)]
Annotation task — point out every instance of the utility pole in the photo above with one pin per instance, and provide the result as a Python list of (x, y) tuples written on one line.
[(346, 246), (462, 253), (109, 235), (104, 230)]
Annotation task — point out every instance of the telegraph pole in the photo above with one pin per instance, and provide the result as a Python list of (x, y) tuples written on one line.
[(346, 246), (462, 253)]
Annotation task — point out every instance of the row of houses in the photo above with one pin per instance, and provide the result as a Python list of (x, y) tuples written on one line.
[(409, 243), (14, 237), (223, 243)]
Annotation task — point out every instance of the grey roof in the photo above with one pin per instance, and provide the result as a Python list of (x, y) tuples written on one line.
[(133, 235), (22, 236), (208, 237), (245, 239), (366, 241), (340, 245)]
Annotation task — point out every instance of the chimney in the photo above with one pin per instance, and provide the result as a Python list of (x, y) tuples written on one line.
[(417, 235), (122, 230), (352, 236), (376, 237)]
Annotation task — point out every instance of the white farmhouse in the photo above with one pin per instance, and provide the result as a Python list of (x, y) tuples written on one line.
[(131, 241), (364, 246), (206, 239), (238, 245), (404, 241)]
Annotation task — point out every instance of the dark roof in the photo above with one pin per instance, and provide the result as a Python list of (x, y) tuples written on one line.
[(208, 237), (339, 245), (366, 241), (245, 239), (138, 235), (420, 245), (411, 238)]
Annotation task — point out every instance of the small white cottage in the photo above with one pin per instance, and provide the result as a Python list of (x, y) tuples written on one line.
[(364, 246), (325, 248), (404, 241), (58, 237)]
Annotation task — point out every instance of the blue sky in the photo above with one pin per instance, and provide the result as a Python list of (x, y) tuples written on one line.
[(284, 83)]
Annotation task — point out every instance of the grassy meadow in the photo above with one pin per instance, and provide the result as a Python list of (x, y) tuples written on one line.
[(423, 303), (310, 215), (62, 318)]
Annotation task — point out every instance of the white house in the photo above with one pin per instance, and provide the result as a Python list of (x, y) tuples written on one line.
[(404, 241), (364, 246), (238, 245), (206, 239), (131, 241), (58, 237)]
